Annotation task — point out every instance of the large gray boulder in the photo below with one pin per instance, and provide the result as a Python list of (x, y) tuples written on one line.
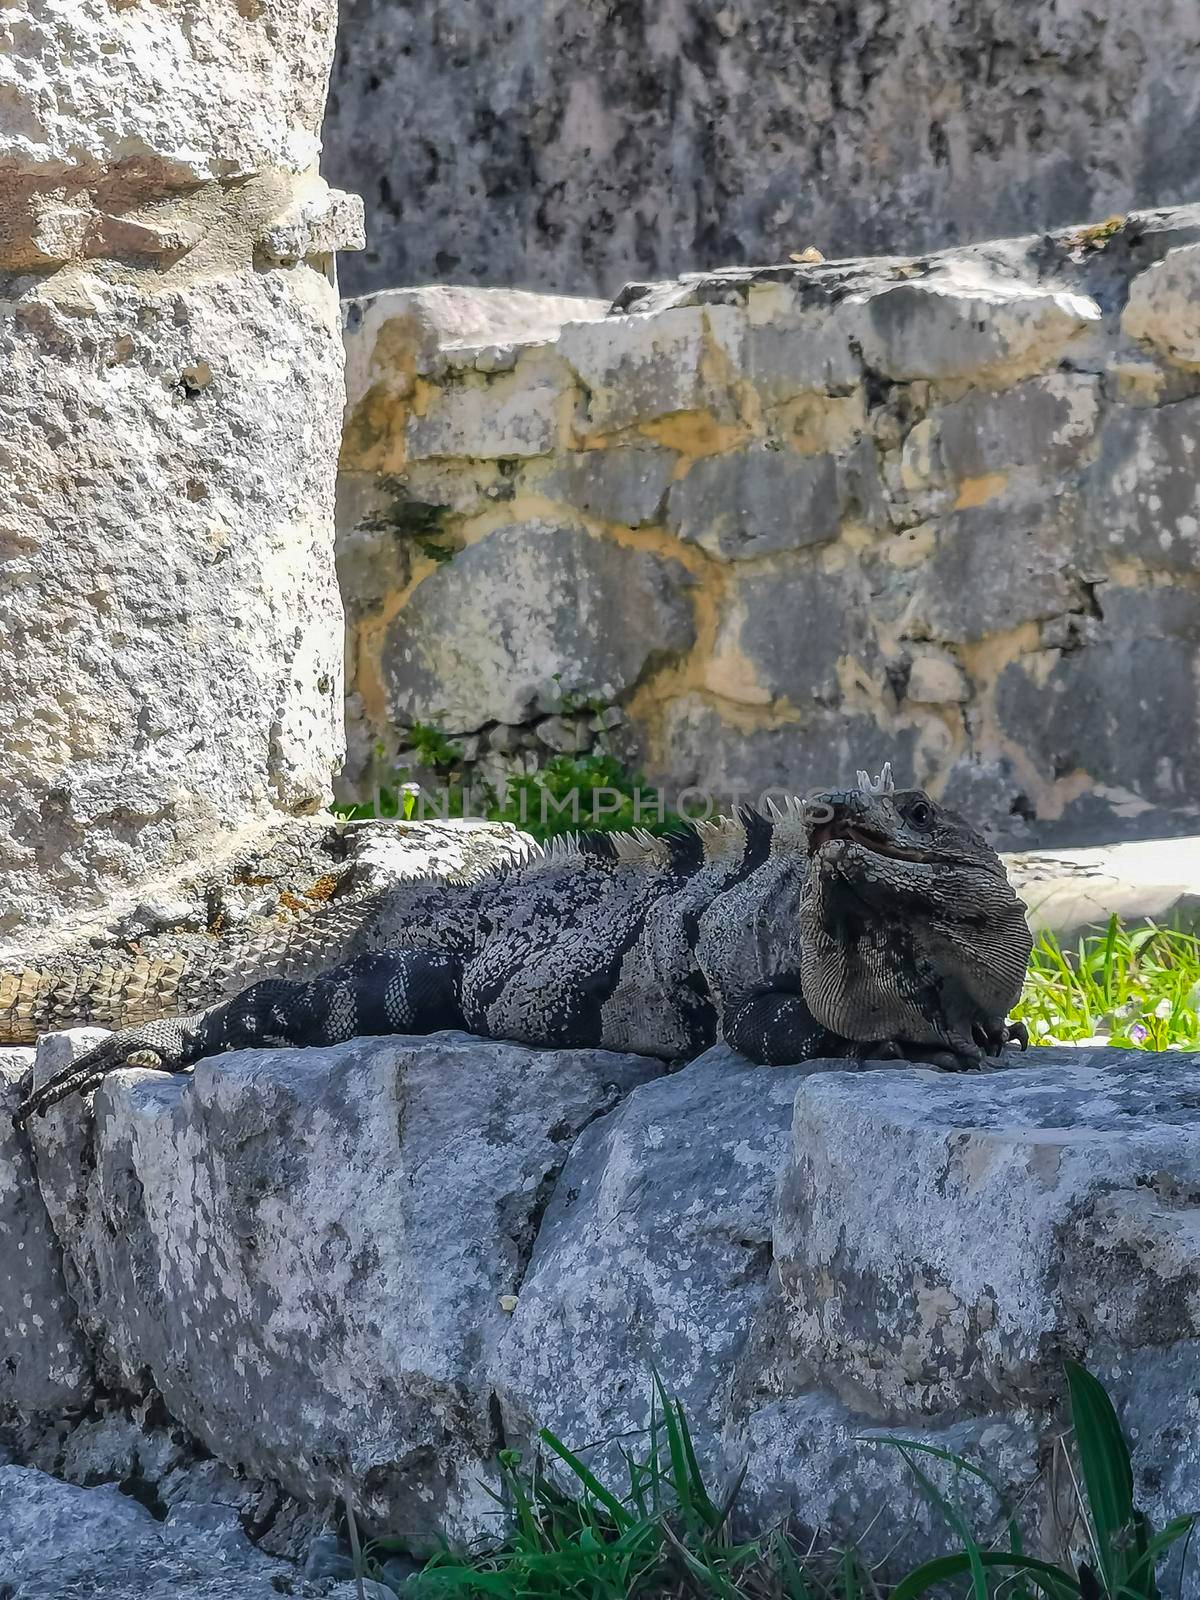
[(59, 1541), (527, 615), (943, 1242), (309, 1253), (45, 1366), (653, 1253)]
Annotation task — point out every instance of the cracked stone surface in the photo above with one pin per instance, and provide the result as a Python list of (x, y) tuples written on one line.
[(307, 1253)]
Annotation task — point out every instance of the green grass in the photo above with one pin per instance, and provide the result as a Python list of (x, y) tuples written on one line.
[(661, 1534), (664, 1534), (566, 795), (1134, 987)]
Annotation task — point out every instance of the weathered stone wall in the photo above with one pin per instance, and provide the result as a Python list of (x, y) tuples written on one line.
[(170, 379), (764, 526), (577, 143)]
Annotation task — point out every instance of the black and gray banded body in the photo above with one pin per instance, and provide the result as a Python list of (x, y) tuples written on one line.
[(855, 923)]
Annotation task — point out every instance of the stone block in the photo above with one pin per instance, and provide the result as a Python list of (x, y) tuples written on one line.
[(512, 414), (1043, 423), (44, 1364), (935, 678), (1163, 309), (959, 326), (565, 735), (638, 368), (624, 484), (59, 1539), (1104, 711), (814, 1458), (329, 1298), (994, 566), (1143, 495), (790, 630), (986, 1222), (755, 502), (653, 1253), (703, 749), (527, 614), (392, 335), (792, 349)]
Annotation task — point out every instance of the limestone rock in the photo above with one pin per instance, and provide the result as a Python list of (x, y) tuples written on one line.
[(44, 1365), (638, 368), (816, 1459), (245, 583), (1143, 498), (622, 484), (1041, 699), (725, 761), (954, 327), (514, 414), (793, 349), (653, 1252), (216, 95), (396, 337), (1081, 1163), (329, 1297), (1039, 423), (528, 613), (59, 1541), (936, 679), (1162, 306), (167, 473), (401, 328), (789, 630), (756, 502), (994, 566)]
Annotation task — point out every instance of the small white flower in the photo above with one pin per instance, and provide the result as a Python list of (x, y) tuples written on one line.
[(1163, 1010)]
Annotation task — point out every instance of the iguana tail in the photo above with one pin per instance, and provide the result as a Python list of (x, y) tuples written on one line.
[(170, 974)]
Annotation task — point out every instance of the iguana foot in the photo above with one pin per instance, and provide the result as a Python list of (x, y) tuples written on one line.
[(985, 1053), (159, 1046), (992, 1041), (920, 1055)]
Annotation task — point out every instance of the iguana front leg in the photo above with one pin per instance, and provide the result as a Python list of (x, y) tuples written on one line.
[(393, 991), (776, 1029)]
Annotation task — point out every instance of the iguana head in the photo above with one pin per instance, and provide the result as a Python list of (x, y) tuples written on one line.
[(912, 931)]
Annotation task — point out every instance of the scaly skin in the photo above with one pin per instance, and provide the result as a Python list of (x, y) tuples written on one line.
[(857, 923)]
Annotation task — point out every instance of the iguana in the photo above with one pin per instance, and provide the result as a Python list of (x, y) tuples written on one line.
[(856, 923)]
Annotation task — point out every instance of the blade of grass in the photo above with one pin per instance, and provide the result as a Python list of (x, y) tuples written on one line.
[(588, 1479), (1105, 1465), (952, 1515), (1053, 1581), (962, 1465)]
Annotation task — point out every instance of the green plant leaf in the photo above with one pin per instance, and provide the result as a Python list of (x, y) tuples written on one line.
[(961, 1464), (1105, 1466), (588, 1479), (1053, 1581), (952, 1515)]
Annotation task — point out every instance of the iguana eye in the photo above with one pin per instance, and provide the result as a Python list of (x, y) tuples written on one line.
[(920, 814)]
